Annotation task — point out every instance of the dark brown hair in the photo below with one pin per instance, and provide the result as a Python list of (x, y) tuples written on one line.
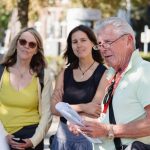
[(69, 55)]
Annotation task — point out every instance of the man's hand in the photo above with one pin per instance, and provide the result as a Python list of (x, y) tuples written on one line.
[(94, 129), (73, 128)]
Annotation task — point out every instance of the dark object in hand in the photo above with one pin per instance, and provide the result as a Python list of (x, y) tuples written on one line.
[(19, 140)]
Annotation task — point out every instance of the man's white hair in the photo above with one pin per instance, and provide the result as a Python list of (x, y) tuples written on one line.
[(120, 26)]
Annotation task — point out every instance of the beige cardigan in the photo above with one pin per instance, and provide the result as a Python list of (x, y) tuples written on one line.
[(44, 109)]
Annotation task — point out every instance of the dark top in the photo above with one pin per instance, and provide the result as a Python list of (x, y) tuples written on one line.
[(81, 92)]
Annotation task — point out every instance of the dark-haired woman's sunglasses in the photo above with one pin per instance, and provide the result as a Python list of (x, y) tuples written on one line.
[(23, 42)]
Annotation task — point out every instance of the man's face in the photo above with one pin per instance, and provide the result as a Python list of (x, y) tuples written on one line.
[(116, 50)]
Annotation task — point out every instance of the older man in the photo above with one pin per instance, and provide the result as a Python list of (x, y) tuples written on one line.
[(127, 101)]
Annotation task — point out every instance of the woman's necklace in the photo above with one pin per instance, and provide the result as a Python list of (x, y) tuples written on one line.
[(83, 72), (23, 73)]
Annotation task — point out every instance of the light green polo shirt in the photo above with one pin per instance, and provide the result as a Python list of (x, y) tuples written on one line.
[(130, 97)]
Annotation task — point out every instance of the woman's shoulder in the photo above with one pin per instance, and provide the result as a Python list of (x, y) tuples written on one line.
[(102, 66), (100, 69)]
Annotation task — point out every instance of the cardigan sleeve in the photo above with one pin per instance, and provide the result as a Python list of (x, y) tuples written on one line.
[(44, 110)]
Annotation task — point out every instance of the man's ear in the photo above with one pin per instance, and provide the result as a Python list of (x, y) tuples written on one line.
[(130, 38)]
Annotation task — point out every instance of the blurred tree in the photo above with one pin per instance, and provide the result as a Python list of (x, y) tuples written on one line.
[(140, 12), (23, 7), (4, 18), (107, 7), (27, 10), (140, 17), (30, 9), (35, 8)]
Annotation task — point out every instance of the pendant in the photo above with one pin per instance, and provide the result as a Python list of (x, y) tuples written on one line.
[(82, 77)]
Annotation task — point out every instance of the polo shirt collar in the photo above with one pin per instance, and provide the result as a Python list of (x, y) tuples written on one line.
[(134, 60)]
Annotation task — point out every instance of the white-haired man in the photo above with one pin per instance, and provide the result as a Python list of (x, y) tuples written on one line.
[(127, 101)]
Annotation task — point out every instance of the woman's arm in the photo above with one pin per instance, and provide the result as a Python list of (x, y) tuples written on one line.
[(57, 93), (100, 92), (44, 110), (92, 109)]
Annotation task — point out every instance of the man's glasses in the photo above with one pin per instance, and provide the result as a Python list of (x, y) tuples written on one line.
[(106, 45), (23, 42)]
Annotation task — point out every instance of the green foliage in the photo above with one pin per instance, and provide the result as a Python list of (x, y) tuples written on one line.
[(139, 18), (137, 3), (35, 8), (145, 56), (87, 3), (23, 7), (107, 7), (4, 17)]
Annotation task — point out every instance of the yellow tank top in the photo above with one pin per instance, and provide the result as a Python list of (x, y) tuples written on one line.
[(18, 108)]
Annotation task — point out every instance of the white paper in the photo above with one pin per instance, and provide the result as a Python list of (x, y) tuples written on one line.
[(73, 117), (3, 142)]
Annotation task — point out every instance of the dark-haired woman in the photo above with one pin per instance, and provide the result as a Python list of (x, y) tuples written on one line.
[(79, 85)]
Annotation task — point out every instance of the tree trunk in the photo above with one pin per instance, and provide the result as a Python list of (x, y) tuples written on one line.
[(23, 8)]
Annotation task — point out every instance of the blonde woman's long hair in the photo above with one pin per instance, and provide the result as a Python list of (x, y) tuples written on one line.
[(38, 61)]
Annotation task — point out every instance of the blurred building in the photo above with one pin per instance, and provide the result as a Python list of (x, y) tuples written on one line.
[(85, 16), (56, 22)]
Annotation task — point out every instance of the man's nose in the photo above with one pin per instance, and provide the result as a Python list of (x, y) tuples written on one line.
[(101, 48)]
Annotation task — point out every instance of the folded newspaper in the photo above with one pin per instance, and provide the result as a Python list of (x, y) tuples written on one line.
[(72, 116)]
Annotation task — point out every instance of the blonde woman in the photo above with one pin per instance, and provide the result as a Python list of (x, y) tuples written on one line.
[(25, 91)]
